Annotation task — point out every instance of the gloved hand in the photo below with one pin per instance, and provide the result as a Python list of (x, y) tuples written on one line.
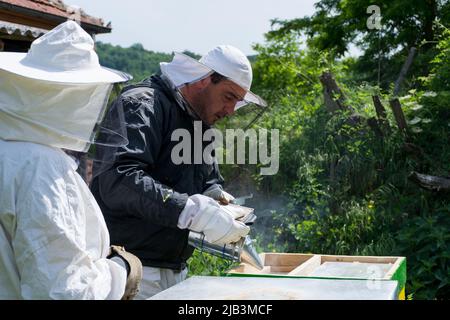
[(134, 270), (217, 193), (203, 214)]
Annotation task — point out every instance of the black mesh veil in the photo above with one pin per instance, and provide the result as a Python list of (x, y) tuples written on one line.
[(108, 136), (103, 153)]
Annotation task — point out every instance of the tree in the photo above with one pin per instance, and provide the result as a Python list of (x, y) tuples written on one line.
[(135, 60), (404, 24)]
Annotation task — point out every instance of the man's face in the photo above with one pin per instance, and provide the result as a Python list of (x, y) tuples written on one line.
[(217, 100)]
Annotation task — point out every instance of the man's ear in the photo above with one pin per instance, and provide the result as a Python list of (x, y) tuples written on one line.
[(204, 82)]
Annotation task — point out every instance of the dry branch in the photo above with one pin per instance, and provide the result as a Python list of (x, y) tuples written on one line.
[(404, 71), (398, 114), (334, 98), (431, 183), (379, 108)]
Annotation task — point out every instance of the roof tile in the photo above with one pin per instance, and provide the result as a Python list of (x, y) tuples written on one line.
[(55, 7)]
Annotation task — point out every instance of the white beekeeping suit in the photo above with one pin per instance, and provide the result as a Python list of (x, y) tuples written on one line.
[(53, 239)]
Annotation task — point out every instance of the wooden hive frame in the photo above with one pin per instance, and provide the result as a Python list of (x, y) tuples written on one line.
[(294, 265), (306, 268)]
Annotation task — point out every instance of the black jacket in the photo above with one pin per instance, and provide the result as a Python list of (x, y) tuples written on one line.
[(144, 192)]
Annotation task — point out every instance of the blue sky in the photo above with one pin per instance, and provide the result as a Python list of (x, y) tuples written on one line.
[(195, 25)]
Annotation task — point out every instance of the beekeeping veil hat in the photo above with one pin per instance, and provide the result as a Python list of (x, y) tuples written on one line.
[(226, 60), (57, 93), (65, 55)]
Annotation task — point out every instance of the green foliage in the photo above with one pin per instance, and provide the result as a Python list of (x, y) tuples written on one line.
[(207, 265), (135, 60), (438, 79), (427, 241), (337, 24)]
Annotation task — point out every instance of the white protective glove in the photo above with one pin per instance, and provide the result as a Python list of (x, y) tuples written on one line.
[(203, 214), (217, 193)]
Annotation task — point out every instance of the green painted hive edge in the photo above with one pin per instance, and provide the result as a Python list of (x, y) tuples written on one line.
[(400, 274)]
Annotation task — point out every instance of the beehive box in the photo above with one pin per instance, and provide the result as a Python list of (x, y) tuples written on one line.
[(296, 265), (257, 288)]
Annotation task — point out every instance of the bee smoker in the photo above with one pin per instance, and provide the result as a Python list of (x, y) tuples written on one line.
[(241, 251)]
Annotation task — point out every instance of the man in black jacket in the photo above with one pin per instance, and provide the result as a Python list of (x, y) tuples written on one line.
[(151, 202)]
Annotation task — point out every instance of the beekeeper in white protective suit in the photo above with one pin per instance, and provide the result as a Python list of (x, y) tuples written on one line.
[(54, 243)]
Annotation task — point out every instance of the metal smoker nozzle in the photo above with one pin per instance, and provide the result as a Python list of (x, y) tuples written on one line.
[(241, 251), (249, 254)]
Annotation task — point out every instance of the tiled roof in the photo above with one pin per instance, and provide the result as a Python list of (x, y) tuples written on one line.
[(25, 31), (57, 8)]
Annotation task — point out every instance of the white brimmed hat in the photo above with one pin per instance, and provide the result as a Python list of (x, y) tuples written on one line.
[(224, 59), (65, 54)]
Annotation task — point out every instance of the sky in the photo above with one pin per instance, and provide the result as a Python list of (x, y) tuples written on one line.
[(194, 25)]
